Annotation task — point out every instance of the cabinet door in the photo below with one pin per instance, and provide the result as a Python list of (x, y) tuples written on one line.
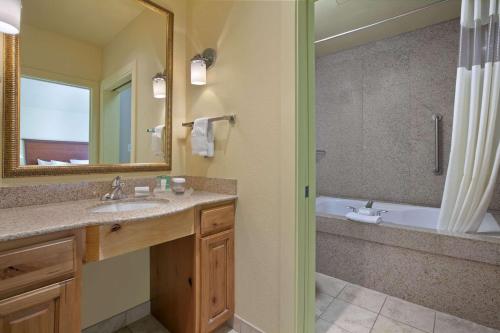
[(39, 311), (217, 279)]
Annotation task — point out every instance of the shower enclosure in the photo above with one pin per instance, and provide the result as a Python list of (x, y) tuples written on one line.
[(386, 77)]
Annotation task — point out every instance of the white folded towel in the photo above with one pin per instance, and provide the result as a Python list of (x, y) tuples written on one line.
[(202, 138), (157, 141), (363, 218)]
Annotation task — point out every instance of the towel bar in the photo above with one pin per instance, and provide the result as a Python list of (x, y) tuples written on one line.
[(231, 118)]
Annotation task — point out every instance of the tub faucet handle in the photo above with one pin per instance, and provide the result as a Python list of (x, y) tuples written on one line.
[(380, 212), (354, 209)]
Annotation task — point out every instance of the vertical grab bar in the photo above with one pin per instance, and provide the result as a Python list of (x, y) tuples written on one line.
[(437, 143)]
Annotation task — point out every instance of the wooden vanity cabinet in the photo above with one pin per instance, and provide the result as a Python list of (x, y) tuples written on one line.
[(40, 280), (192, 278)]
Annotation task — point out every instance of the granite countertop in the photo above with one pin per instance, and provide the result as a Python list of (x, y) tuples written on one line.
[(21, 222)]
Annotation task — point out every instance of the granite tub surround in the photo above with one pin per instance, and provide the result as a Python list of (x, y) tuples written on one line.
[(464, 288), (19, 222), (480, 248), (374, 116)]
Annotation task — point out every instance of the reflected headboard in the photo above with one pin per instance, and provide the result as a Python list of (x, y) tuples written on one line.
[(54, 150)]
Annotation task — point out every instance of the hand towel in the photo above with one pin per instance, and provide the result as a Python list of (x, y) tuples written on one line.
[(363, 218), (157, 141), (202, 138)]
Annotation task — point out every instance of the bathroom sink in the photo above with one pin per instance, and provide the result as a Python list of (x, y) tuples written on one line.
[(127, 206)]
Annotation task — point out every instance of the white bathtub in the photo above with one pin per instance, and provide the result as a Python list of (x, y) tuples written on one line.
[(400, 214)]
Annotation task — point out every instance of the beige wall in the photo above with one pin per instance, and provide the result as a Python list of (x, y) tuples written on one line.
[(253, 77), (105, 283), (142, 42), (36, 54)]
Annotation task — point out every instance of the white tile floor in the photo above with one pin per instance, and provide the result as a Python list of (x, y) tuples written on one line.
[(342, 307)]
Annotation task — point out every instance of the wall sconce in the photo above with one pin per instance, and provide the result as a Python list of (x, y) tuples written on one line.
[(199, 65), (10, 17), (160, 85)]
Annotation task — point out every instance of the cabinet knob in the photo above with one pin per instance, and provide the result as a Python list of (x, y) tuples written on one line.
[(115, 227)]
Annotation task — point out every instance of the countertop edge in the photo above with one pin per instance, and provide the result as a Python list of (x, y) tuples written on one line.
[(114, 218)]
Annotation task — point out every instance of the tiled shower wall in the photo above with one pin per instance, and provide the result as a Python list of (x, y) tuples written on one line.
[(374, 116)]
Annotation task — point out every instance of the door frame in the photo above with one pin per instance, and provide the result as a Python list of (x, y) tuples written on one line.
[(109, 83), (306, 166)]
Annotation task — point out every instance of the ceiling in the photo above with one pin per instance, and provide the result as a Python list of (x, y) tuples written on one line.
[(334, 17), (92, 21)]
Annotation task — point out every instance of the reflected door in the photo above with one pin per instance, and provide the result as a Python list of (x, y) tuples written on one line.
[(117, 116)]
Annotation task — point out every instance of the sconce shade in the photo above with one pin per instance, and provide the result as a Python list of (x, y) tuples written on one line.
[(10, 16), (159, 86), (198, 72)]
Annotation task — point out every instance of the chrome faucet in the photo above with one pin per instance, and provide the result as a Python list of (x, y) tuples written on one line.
[(116, 190)]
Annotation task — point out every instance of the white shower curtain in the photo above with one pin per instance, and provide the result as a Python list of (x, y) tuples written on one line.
[(475, 144)]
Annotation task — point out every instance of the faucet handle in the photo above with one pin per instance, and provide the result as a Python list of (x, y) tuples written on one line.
[(117, 182), (354, 209), (380, 212)]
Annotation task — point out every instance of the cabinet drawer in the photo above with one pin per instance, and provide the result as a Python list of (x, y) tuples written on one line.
[(31, 265), (217, 219), (107, 241)]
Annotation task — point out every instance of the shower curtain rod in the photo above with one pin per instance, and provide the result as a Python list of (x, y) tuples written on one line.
[(380, 22)]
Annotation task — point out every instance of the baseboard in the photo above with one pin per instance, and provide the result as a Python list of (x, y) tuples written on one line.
[(241, 325), (120, 320)]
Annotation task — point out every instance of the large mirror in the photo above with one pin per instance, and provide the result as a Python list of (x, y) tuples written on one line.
[(88, 88)]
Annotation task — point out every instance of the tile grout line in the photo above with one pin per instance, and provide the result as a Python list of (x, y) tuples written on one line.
[(326, 307), (361, 306), (406, 324), (435, 319), (341, 290), (378, 313), (333, 298)]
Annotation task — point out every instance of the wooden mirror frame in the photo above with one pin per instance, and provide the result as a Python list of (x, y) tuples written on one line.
[(11, 117)]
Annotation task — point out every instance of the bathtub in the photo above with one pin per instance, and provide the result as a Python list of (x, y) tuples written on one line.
[(407, 257), (398, 214)]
